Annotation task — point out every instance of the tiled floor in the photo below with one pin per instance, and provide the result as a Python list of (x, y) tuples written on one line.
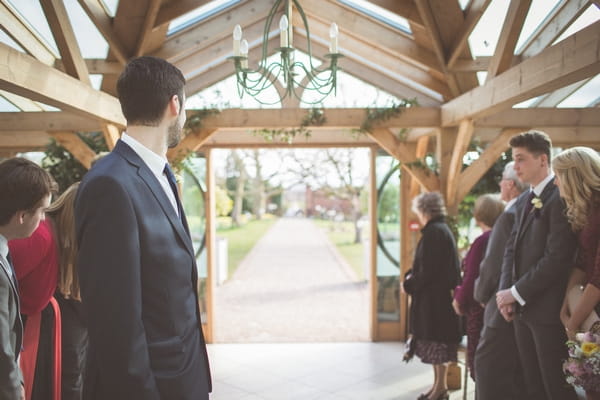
[(323, 371)]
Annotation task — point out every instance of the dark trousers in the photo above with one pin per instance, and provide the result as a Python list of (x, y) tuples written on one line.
[(542, 351), (74, 348), (498, 373)]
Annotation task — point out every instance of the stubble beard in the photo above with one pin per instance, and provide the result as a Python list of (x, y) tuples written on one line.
[(175, 133)]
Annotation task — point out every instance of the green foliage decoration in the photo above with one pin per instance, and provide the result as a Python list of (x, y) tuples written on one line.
[(63, 166), (313, 117), (377, 115)]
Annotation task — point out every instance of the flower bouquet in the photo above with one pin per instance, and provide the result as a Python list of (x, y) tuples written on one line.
[(582, 368)]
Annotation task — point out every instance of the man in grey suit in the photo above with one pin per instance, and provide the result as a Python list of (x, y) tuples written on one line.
[(496, 360), (25, 191), (136, 262), (537, 262)]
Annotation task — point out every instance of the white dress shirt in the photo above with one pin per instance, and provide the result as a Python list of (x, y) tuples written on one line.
[(156, 164)]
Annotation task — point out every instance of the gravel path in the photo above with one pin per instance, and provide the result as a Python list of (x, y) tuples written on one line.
[(292, 287)]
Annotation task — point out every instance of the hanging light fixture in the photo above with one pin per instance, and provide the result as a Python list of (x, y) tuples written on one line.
[(294, 74)]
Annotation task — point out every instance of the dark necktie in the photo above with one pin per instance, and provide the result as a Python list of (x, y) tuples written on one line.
[(173, 183), (12, 270)]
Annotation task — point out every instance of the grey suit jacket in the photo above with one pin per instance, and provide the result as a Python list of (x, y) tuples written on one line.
[(138, 278), (11, 335), (539, 256), (490, 268)]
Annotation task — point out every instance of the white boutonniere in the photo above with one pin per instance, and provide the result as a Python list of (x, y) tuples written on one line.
[(537, 203)]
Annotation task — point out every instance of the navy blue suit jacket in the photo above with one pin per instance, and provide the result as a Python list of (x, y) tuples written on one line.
[(139, 287)]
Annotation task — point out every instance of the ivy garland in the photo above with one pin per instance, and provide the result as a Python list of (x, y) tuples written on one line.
[(314, 117), (376, 115)]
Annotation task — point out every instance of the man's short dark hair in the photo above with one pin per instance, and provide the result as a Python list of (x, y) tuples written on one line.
[(536, 142), (145, 88), (23, 185)]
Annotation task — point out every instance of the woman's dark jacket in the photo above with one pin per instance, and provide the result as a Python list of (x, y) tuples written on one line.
[(435, 273)]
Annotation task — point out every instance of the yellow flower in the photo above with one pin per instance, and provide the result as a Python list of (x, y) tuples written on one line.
[(589, 348), (537, 202)]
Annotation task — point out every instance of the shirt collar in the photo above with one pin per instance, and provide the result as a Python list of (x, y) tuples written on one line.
[(537, 190), (3, 247), (510, 203), (155, 162)]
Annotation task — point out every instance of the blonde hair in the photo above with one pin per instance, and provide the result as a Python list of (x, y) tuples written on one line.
[(62, 213), (578, 170), (488, 208)]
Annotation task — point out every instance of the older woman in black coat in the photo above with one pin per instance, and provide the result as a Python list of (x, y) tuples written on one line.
[(434, 326)]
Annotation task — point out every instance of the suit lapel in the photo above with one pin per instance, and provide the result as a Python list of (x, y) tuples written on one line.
[(526, 222), (8, 271), (159, 194)]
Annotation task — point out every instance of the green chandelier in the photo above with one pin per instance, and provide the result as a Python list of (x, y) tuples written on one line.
[(296, 76)]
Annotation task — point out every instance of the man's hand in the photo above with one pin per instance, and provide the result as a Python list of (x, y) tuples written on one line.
[(508, 312), (504, 298)]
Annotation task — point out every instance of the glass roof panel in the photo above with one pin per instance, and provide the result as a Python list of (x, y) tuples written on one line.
[(484, 37), (199, 14), (7, 106), (31, 11), (538, 12), (584, 96), (379, 13), (110, 6), (91, 42), (464, 3), (4, 38), (589, 16)]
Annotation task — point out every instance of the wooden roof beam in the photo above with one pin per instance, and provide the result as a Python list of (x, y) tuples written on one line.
[(563, 15), (390, 143), (405, 9), (474, 12), (213, 29), (97, 13), (176, 9), (511, 30), (60, 25), (77, 147), (461, 144), (353, 23), (147, 27), (23, 75), (575, 58), (554, 98), (19, 30), (541, 117), (430, 23), (46, 121)]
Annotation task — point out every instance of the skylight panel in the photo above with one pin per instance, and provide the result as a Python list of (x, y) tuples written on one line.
[(539, 11), (91, 43), (4, 38), (199, 14), (110, 6), (380, 14), (32, 13), (484, 38), (527, 103), (589, 16), (584, 96), (7, 106)]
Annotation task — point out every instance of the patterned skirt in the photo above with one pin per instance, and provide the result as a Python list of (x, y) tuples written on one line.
[(436, 352)]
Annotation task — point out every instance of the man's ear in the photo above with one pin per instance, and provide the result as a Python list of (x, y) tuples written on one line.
[(174, 105)]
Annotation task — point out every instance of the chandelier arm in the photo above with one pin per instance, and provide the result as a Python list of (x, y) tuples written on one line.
[(270, 16)]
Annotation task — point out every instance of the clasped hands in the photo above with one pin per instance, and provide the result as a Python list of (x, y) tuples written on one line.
[(506, 304)]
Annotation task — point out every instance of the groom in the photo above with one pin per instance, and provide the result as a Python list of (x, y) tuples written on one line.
[(538, 258)]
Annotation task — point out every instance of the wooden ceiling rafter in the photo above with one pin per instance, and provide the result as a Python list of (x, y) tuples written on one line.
[(405, 9), (507, 42), (575, 58), (473, 14), (15, 26), (147, 27), (104, 23), (64, 36), (176, 9), (561, 17)]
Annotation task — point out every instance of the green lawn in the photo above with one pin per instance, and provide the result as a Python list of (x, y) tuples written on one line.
[(241, 240), (341, 235)]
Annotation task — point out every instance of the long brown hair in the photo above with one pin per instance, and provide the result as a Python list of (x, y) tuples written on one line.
[(62, 214)]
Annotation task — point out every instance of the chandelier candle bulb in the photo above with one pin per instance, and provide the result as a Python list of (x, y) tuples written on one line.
[(244, 53), (237, 36), (333, 35), (283, 31)]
